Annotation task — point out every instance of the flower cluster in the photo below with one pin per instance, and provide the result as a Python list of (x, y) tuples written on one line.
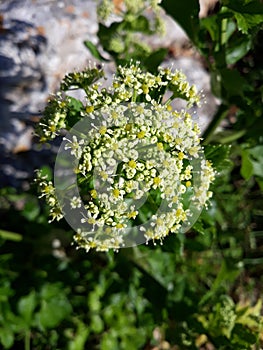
[(48, 127), (130, 10), (139, 164), (122, 25), (47, 191)]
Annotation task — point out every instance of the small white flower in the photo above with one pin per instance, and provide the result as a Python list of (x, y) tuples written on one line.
[(76, 146), (75, 202)]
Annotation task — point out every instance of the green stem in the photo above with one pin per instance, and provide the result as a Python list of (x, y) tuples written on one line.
[(27, 340), (223, 31), (134, 96), (170, 99), (219, 116)]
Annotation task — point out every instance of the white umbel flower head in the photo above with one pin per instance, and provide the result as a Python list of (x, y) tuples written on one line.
[(131, 169)]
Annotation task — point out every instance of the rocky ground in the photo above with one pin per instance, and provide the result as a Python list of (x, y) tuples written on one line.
[(40, 41)]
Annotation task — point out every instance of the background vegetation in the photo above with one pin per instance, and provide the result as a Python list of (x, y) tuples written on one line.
[(201, 290)]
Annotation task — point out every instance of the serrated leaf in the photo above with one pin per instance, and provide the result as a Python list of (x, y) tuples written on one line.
[(218, 155)]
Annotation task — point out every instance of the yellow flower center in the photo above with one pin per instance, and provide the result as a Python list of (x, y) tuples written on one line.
[(157, 180), (132, 164), (93, 193), (141, 134), (89, 109), (116, 192), (103, 130)]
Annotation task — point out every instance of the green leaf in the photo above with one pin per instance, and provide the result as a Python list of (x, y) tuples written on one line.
[(96, 324), (247, 166), (94, 51), (257, 160), (253, 7), (73, 113), (105, 34), (228, 136), (109, 341), (218, 155), (247, 21), (31, 210), (238, 49), (211, 25), (5, 291), (186, 13), (252, 162), (78, 343), (54, 307), (243, 336), (198, 227), (153, 61), (232, 82), (257, 152), (6, 337), (26, 307), (227, 274), (138, 24)]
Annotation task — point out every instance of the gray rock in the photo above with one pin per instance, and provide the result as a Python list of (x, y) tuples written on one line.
[(41, 41)]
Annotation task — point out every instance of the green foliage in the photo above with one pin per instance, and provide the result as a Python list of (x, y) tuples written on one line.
[(121, 39), (231, 42), (218, 155), (52, 297), (186, 14), (252, 163), (230, 326), (199, 290)]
